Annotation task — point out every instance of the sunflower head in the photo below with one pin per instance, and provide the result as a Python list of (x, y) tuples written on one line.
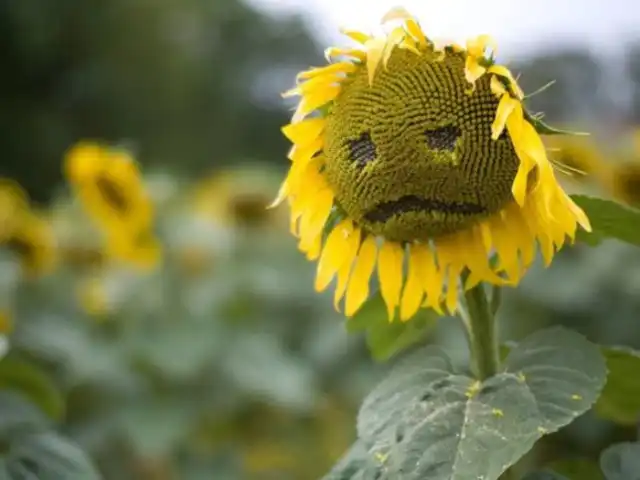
[(577, 157), (109, 185), (625, 182), (238, 197), (33, 242), (423, 160)]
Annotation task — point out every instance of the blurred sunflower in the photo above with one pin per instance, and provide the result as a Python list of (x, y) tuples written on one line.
[(624, 182), (406, 152), (32, 240), (577, 157), (238, 197), (143, 250), (13, 200), (108, 183)]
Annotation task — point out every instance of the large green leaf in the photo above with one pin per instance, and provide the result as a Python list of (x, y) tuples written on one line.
[(427, 421), (386, 339), (45, 456), (620, 398), (621, 461), (30, 381), (356, 464), (562, 370), (609, 219)]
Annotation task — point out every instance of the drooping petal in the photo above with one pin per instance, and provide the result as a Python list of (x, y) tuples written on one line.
[(334, 254), (390, 263), (413, 292), (358, 288)]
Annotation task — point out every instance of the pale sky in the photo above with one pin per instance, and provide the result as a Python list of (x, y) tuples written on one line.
[(515, 24)]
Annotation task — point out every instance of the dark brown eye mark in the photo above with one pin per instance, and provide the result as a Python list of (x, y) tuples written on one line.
[(443, 138), (362, 150)]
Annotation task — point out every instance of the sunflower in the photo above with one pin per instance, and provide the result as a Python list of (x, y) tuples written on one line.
[(33, 242), (577, 157), (420, 159), (624, 182), (109, 186), (237, 197), (13, 201)]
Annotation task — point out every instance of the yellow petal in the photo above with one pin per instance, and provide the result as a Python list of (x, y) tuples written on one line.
[(332, 52), (359, 37), (497, 86), (358, 288), (430, 276), (394, 38), (330, 70), (390, 263), (506, 73), (473, 70), (505, 109), (413, 293), (375, 49), (316, 99), (333, 254), (303, 153), (477, 46), (304, 132)]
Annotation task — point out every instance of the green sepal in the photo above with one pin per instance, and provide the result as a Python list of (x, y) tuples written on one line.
[(545, 129)]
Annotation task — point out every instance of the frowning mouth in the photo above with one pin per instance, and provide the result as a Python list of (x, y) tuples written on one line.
[(412, 203)]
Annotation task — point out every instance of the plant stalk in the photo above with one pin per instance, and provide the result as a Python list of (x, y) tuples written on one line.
[(482, 332)]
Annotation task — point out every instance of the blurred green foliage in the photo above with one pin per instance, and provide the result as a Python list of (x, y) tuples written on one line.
[(190, 83)]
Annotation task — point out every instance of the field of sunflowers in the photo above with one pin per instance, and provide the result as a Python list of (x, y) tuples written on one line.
[(165, 328), (183, 298)]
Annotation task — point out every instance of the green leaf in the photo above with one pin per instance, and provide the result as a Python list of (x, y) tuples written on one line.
[(620, 398), (18, 414), (608, 219), (621, 462), (562, 370), (386, 339), (356, 464), (577, 469), (29, 380), (45, 456), (426, 421), (545, 475)]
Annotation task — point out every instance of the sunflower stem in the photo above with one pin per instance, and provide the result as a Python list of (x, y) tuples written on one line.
[(482, 332)]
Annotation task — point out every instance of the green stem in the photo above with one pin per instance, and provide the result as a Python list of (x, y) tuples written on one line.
[(482, 333)]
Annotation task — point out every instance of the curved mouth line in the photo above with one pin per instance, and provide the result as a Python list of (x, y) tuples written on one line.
[(412, 203)]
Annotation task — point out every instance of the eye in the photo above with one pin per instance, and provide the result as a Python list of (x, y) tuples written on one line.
[(443, 138), (362, 150)]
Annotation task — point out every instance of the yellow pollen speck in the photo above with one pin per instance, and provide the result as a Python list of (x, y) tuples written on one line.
[(497, 412), (522, 377), (473, 389), (542, 430), (381, 457), (576, 397)]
